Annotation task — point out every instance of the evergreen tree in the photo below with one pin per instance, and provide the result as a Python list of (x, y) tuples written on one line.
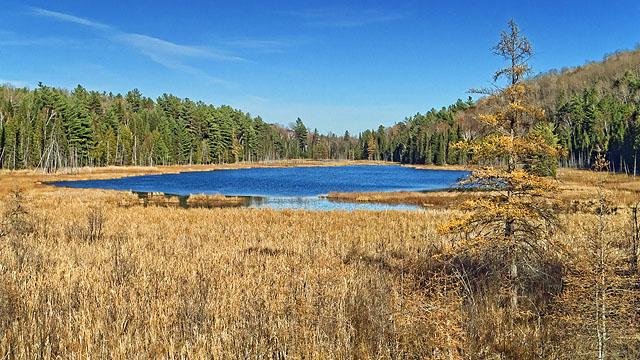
[(134, 99), (301, 134), (226, 134), (80, 134)]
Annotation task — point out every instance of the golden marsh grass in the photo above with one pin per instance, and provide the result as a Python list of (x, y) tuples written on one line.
[(82, 275), (171, 282)]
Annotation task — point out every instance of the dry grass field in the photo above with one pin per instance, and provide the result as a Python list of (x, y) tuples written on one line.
[(83, 276)]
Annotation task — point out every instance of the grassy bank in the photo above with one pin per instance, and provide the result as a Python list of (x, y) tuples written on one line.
[(578, 190)]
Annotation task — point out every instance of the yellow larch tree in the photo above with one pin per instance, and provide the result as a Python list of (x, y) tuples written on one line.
[(510, 220)]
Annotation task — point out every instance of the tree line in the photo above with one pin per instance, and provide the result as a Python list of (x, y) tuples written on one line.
[(593, 121), (51, 128), (592, 109)]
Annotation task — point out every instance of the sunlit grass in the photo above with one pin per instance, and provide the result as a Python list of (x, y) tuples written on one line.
[(88, 273), (234, 283)]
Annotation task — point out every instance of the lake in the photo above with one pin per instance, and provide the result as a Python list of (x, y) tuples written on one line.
[(292, 187)]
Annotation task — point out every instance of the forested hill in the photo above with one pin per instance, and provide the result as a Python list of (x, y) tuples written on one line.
[(594, 107), (52, 128), (590, 108)]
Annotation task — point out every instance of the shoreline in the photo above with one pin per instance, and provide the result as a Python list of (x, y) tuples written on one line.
[(577, 185)]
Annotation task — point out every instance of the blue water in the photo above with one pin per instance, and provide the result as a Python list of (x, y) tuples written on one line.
[(294, 187)]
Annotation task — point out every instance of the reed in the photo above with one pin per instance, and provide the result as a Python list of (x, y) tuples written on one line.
[(205, 200), (433, 199), (223, 283)]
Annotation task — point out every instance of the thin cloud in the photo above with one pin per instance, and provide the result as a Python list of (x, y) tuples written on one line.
[(179, 66), (163, 52), (69, 18), (10, 38), (30, 42), (155, 47), (343, 18)]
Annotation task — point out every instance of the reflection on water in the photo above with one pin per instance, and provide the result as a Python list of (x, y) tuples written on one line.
[(273, 202), (316, 203)]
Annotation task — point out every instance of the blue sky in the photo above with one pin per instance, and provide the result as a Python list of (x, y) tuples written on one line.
[(338, 65)]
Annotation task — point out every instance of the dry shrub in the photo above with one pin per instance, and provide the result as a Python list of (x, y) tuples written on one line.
[(95, 222), (490, 326), (576, 311), (430, 199), (87, 228), (17, 230), (74, 231), (204, 200), (124, 264), (9, 304)]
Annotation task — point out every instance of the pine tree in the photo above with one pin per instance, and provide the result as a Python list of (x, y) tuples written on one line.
[(134, 99), (372, 148), (126, 142), (301, 135), (80, 134), (37, 141), (183, 139), (226, 135)]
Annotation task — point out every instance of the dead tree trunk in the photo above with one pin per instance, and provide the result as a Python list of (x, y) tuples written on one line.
[(635, 238)]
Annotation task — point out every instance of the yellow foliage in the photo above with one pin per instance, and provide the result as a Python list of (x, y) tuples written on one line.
[(519, 149), (515, 208), (491, 119)]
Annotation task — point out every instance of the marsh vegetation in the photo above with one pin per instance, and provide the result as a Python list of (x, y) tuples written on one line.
[(82, 275)]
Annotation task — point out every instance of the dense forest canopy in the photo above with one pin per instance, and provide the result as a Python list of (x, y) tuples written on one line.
[(592, 108), (52, 128)]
